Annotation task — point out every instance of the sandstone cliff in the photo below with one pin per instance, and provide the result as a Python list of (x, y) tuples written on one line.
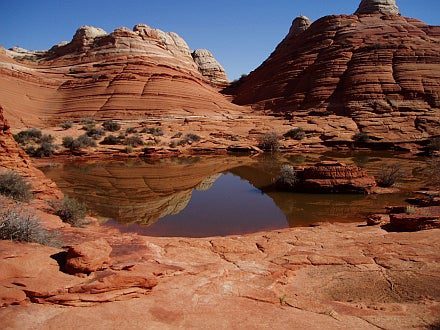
[(374, 71), (126, 74), (12, 157)]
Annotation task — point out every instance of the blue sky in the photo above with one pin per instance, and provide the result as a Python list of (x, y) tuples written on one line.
[(240, 33)]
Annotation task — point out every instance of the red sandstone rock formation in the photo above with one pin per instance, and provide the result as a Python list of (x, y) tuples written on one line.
[(210, 68), (334, 177), (88, 257), (374, 71), (127, 74), (12, 157)]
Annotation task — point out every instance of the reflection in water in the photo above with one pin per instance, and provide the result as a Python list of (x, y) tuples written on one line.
[(215, 195)]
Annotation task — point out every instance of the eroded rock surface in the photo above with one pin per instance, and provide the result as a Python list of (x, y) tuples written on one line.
[(125, 74), (374, 72), (327, 277), (210, 68)]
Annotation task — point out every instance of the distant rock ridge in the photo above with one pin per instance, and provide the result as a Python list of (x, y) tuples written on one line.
[(378, 6), (126, 74)]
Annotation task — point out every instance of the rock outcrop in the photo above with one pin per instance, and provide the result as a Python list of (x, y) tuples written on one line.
[(126, 74), (334, 177), (388, 7), (88, 257), (13, 158), (210, 68), (375, 72), (299, 25)]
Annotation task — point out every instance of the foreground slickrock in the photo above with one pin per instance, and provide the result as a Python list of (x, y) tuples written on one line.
[(328, 277), (375, 72)]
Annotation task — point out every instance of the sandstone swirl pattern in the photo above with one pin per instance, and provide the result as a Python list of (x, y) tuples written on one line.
[(375, 71), (127, 74)]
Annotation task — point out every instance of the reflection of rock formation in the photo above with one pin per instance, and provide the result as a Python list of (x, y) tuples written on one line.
[(140, 192)]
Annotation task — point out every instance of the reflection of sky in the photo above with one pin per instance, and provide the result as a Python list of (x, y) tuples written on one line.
[(231, 206)]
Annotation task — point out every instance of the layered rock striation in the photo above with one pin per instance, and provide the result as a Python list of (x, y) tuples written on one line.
[(13, 158), (125, 74), (374, 72), (210, 68)]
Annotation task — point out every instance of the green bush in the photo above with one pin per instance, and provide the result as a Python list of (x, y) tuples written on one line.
[(111, 126), (21, 226), (31, 134), (70, 211), (14, 186), (388, 176), (66, 125), (269, 142), (295, 134)]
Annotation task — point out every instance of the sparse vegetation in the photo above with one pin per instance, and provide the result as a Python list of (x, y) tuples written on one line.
[(155, 131), (46, 149), (410, 209), (295, 134), (88, 121), (71, 211), (131, 130), (111, 126), (66, 125), (388, 176), (287, 178), (29, 135), (361, 137), (189, 138), (22, 226), (14, 186), (81, 142), (134, 141), (111, 140), (95, 133), (269, 142), (177, 135), (128, 149)]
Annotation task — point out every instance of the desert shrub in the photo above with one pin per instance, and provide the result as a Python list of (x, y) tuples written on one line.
[(22, 226), (14, 186), (88, 127), (128, 149), (155, 131), (85, 141), (174, 143), (46, 149), (133, 141), (66, 125), (88, 121), (295, 134), (82, 141), (361, 137), (111, 140), (388, 176), (189, 139), (433, 145), (31, 134), (111, 126), (131, 130), (70, 211), (94, 132), (269, 142), (287, 178), (177, 135)]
